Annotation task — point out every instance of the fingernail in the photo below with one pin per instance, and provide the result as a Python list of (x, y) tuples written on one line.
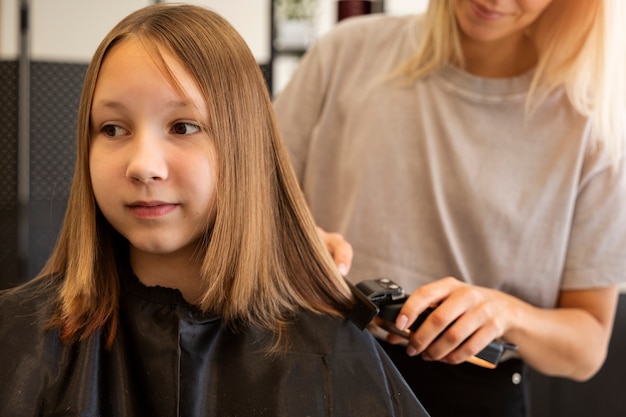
[(401, 322), (426, 357), (411, 351), (343, 269)]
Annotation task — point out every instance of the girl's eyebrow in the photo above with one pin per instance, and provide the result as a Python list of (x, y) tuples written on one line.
[(112, 104), (115, 104)]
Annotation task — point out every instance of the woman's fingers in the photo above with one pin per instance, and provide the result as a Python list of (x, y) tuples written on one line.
[(339, 249)]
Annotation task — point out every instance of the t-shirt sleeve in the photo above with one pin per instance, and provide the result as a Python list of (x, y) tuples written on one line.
[(597, 246)]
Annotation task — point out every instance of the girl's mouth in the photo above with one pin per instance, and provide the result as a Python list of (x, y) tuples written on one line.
[(151, 210)]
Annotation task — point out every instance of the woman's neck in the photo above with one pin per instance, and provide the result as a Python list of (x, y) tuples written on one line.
[(499, 59)]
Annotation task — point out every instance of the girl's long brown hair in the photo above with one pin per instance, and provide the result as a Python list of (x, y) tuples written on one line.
[(262, 259)]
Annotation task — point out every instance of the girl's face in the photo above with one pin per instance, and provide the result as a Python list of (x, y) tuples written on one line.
[(151, 161), (494, 20)]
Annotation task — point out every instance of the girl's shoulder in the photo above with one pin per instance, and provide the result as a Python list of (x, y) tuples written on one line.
[(335, 350), (328, 335)]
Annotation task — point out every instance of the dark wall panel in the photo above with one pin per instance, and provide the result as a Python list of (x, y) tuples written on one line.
[(55, 93), (9, 264)]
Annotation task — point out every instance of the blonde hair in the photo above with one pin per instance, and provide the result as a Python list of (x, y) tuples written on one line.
[(262, 259), (581, 49)]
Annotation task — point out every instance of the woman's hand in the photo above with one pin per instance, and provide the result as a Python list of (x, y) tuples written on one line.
[(568, 341), (339, 249), (466, 319)]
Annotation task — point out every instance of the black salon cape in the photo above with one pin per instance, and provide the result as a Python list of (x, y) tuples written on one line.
[(168, 359)]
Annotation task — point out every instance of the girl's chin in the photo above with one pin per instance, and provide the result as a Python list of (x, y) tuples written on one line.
[(157, 248)]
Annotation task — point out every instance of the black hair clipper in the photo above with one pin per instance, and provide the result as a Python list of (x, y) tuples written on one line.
[(389, 298)]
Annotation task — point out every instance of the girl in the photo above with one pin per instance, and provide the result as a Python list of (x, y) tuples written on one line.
[(474, 156), (188, 278)]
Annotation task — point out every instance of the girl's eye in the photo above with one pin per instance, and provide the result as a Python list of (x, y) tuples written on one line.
[(113, 130), (185, 128)]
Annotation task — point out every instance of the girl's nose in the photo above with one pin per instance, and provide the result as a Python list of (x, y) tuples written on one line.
[(146, 159)]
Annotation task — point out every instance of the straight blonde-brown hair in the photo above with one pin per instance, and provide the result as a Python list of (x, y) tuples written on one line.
[(262, 259)]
